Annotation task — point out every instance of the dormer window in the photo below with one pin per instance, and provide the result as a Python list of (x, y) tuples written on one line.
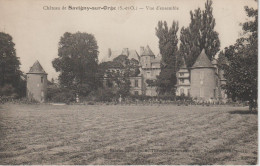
[(181, 74)]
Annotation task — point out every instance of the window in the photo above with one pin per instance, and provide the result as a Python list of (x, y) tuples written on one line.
[(201, 92), (182, 91), (109, 83), (189, 92), (136, 93), (181, 74), (182, 80), (148, 74), (215, 93), (42, 96), (41, 79), (136, 83)]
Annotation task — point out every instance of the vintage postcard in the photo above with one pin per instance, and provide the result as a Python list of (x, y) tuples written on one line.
[(137, 82)]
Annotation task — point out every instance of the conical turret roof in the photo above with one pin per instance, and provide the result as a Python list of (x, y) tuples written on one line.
[(202, 61), (184, 66), (147, 51), (37, 68)]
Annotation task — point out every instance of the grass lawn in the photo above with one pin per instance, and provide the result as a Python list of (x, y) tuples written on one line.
[(92, 134)]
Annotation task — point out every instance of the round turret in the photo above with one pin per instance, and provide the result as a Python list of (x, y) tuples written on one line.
[(36, 83), (203, 79)]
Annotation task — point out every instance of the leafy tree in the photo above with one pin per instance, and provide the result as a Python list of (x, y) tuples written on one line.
[(199, 35), (77, 62), (179, 60), (118, 73), (151, 83), (129, 65), (168, 49), (118, 82), (10, 65), (241, 65)]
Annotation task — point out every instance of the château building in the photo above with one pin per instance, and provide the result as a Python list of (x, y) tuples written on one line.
[(202, 81), (149, 66)]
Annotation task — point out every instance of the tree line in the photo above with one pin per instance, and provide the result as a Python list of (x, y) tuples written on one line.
[(81, 73)]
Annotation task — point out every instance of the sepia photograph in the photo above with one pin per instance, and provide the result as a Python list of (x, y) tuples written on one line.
[(137, 82)]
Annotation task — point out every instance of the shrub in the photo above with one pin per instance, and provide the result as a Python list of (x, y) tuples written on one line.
[(7, 93), (167, 97), (7, 90), (102, 95), (91, 103), (63, 95), (183, 98)]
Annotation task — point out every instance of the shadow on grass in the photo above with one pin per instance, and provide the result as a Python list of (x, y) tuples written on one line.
[(243, 112)]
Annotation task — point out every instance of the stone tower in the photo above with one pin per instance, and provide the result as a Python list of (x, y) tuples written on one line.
[(146, 55), (203, 78), (36, 83)]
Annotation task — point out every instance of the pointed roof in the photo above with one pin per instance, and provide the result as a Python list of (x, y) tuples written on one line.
[(130, 53), (111, 55), (214, 61), (147, 51), (184, 66), (202, 61), (133, 55), (157, 59), (37, 68)]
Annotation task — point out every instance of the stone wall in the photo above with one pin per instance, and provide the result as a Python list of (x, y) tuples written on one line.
[(37, 87)]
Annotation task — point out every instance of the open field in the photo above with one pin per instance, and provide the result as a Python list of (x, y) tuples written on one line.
[(47, 134)]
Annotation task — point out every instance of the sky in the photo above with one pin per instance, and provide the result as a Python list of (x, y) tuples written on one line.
[(36, 30)]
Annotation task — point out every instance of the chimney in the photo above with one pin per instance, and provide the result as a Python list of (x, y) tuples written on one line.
[(141, 50), (125, 51), (109, 52)]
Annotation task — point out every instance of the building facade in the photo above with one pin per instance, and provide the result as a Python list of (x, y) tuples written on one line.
[(36, 83), (183, 81), (149, 69), (149, 66), (202, 81)]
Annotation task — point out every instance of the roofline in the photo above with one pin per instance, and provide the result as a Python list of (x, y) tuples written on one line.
[(147, 55), (183, 85), (36, 73), (201, 67)]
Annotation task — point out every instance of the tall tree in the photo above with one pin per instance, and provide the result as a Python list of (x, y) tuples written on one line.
[(168, 49), (77, 62), (199, 35), (240, 69), (10, 73)]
